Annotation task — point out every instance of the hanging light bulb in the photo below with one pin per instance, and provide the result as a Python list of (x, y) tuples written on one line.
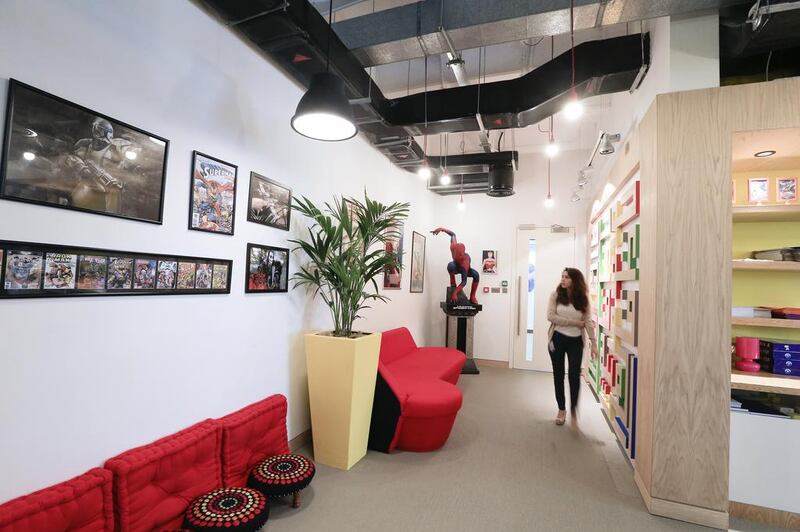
[(461, 205), (445, 179), (574, 109), (549, 202), (551, 150), (424, 171)]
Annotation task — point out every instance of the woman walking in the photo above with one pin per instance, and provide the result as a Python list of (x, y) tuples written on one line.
[(569, 315)]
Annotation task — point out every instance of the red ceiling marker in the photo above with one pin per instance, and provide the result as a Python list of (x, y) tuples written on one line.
[(299, 58)]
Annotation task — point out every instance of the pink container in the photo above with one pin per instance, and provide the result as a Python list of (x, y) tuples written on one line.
[(747, 348)]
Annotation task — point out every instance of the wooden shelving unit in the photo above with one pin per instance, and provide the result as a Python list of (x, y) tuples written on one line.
[(767, 213), (766, 322), (767, 266), (765, 382)]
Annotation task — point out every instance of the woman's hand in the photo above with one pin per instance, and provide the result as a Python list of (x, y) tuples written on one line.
[(594, 350), (578, 323)]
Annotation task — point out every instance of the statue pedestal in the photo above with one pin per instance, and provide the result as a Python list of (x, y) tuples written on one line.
[(459, 331)]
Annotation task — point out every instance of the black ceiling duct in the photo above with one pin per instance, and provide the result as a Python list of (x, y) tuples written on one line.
[(501, 181)]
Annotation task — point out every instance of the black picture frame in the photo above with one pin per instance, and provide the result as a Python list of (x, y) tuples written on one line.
[(258, 181), (414, 268), (42, 250), (251, 286), (192, 181), (60, 159)]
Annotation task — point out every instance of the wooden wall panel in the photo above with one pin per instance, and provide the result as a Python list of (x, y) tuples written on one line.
[(648, 268)]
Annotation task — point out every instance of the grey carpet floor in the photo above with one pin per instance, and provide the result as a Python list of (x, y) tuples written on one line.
[(506, 467)]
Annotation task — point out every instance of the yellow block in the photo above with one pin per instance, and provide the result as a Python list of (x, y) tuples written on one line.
[(341, 387)]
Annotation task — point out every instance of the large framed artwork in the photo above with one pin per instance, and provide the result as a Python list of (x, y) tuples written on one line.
[(392, 276), (60, 154), (417, 263), (267, 269), (212, 203), (269, 202), (29, 269)]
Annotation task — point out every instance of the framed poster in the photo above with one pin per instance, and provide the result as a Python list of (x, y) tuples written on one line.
[(60, 154), (757, 190), (30, 269), (417, 263), (787, 189), (392, 276), (489, 261), (269, 202), (267, 269), (212, 203)]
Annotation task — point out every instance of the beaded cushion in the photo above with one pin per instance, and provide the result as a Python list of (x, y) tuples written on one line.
[(233, 509), (281, 475)]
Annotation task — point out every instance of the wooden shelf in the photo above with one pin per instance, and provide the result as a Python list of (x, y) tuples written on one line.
[(767, 266), (764, 382), (767, 213), (766, 322)]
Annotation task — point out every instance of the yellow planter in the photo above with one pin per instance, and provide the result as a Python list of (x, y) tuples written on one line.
[(341, 387)]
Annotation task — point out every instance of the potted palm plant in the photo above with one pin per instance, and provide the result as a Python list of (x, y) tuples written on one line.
[(346, 249)]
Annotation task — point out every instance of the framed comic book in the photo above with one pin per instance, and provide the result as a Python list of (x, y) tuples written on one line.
[(267, 269), (417, 263), (29, 269), (212, 202), (269, 202), (60, 154)]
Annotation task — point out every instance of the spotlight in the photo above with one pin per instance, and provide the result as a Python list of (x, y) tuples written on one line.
[(575, 198), (130, 155), (445, 179), (549, 202), (551, 150), (573, 110), (606, 146), (424, 171), (29, 156), (765, 153), (582, 179)]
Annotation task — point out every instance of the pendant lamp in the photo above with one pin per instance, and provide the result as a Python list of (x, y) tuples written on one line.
[(324, 111)]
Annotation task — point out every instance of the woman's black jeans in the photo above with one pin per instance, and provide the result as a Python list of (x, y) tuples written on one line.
[(572, 346)]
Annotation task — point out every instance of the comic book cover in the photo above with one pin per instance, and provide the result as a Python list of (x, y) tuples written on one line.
[(257, 276), (23, 270), (144, 277), (120, 273), (186, 275), (60, 270), (220, 280), (213, 195), (203, 278), (91, 272), (167, 271)]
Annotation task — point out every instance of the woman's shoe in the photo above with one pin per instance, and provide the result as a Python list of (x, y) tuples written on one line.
[(561, 417)]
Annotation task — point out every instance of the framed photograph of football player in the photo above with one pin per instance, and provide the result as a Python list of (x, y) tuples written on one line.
[(212, 201), (60, 154), (29, 270), (267, 269), (489, 261), (269, 202), (417, 263)]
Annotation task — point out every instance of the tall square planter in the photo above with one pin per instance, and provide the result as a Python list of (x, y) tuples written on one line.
[(341, 387)]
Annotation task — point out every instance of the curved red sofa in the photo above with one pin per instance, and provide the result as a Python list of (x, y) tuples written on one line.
[(416, 397)]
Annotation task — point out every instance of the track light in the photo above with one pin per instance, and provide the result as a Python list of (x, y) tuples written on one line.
[(551, 150), (549, 202), (424, 171), (445, 179), (606, 146), (582, 179), (574, 109), (575, 198)]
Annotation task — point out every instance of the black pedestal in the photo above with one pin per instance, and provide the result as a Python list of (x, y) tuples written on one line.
[(459, 328)]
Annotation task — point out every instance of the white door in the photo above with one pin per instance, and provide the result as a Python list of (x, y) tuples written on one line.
[(541, 255)]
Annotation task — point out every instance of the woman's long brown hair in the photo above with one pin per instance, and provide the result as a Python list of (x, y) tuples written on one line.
[(576, 294)]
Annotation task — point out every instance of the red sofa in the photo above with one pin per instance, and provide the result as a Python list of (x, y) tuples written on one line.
[(82, 504), (149, 487), (416, 397)]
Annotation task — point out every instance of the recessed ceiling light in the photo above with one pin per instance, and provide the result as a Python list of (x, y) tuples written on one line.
[(765, 153)]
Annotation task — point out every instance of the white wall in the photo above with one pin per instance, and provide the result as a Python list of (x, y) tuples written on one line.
[(84, 379), (491, 223)]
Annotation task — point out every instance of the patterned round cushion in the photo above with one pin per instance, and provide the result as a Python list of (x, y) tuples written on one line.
[(240, 509), (281, 475)]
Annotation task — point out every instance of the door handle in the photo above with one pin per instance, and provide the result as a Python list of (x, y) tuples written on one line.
[(519, 301)]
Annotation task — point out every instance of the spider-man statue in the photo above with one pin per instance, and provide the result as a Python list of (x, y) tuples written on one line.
[(461, 264)]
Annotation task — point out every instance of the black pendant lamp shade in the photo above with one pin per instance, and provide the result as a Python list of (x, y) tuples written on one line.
[(324, 111)]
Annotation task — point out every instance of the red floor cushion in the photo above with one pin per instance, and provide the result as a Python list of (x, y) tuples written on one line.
[(250, 435), (154, 484), (82, 504), (227, 509), (282, 475)]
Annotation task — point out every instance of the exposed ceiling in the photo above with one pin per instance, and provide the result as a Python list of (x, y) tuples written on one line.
[(785, 142)]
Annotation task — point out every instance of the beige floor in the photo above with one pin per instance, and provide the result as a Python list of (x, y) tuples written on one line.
[(506, 467)]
